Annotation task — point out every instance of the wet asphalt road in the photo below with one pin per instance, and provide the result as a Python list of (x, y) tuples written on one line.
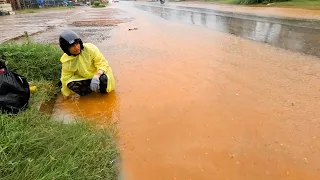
[(296, 35), (289, 33), (14, 26), (45, 27)]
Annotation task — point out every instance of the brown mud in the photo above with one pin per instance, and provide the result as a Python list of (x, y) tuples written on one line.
[(193, 103)]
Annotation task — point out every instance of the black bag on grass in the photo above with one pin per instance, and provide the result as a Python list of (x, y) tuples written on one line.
[(14, 90)]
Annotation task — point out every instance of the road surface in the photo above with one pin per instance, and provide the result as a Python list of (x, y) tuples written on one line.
[(204, 96)]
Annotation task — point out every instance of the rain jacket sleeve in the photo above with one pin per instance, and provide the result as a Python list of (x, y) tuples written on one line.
[(99, 61), (83, 67), (65, 77)]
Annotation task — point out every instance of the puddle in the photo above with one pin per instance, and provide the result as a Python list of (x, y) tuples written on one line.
[(47, 107), (207, 108), (45, 27), (15, 25), (102, 109), (294, 35)]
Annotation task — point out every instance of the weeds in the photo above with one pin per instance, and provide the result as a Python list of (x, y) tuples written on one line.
[(27, 11), (312, 4), (35, 61), (248, 1), (32, 145)]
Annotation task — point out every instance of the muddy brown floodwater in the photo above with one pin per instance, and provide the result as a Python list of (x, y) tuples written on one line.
[(195, 103)]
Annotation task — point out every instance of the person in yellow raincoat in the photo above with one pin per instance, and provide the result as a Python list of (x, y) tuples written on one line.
[(84, 68)]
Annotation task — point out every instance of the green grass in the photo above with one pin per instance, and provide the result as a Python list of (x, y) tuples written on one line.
[(310, 4), (26, 11), (220, 1), (35, 61), (34, 146), (99, 6), (233, 1), (300, 3)]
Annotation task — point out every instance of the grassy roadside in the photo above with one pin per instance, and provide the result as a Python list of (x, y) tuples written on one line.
[(27, 11), (220, 1), (98, 4), (308, 4), (32, 145)]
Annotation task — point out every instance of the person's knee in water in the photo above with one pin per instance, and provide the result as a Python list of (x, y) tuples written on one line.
[(83, 87), (84, 68)]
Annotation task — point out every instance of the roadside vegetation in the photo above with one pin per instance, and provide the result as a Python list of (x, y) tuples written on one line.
[(37, 10), (284, 3), (313, 4), (35, 146), (98, 4)]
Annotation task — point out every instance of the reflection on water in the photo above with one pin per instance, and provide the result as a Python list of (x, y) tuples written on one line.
[(288, 35), (99, 108)]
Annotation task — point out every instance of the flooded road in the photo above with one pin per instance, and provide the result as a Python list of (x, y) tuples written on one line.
[(195, 103), (15, 25), (295, 35)]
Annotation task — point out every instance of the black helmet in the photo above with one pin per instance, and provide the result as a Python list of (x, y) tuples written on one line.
[(67, 39)]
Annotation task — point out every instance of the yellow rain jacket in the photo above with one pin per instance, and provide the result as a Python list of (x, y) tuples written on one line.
[(83, 67)]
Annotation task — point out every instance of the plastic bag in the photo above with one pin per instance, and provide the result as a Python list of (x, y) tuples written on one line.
[(14, 90)]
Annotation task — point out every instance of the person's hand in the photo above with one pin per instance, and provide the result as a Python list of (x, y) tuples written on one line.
[(94, 85)]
